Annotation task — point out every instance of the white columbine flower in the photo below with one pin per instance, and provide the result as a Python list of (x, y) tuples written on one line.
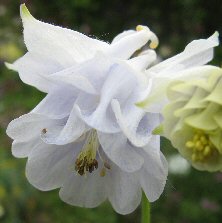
[(87, 136)]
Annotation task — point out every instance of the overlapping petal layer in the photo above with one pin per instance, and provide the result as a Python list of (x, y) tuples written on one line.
[(89, 124), (89, 112)]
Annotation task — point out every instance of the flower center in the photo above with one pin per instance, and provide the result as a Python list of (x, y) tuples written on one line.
[(201, 147), (86, 160)]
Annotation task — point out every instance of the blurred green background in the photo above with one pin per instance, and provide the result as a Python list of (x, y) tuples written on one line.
[(190, 196)]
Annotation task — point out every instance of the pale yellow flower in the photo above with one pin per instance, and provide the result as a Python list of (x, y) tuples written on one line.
[(193, 118)]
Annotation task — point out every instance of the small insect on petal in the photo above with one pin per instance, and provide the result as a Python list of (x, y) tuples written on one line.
[(44, 131)]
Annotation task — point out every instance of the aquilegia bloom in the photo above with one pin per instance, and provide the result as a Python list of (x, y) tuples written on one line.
[(87, 136), (193, 117)]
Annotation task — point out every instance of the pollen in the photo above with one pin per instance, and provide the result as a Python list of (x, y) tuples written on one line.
[(201, 147), (139, 28), (154, 44)]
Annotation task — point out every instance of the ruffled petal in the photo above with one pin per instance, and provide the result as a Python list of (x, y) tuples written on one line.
[(60, 44), (122, 35), (49, 166), (128, 43), (124, 191), (196, 53), (23, 149), (33, 70), (135, 124), (153, 175), (119, 151), (89, 191), (119, 84), (142, 61), (60, 135), (28, 126), (57, 104), (87, 76)]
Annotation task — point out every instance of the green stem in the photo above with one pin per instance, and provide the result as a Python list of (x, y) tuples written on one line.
[(145, 218)]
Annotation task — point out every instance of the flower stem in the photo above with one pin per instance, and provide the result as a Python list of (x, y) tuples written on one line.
[(145, 218)]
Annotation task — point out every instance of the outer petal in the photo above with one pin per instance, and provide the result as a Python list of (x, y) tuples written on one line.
[(87, 76), (123, 35), (153, 175), (142, 61), (128, 44), (71, 131), (28, 126), (33, 70), (62, 45), (130, 124), (24, 148), (119, 151), (89, 191), (49, 166), (124, 191), (57, 104), (197, 53)]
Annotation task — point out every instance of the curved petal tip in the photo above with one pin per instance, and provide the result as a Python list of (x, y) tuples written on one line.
[(216, 33), (10, 66), (25, 12)]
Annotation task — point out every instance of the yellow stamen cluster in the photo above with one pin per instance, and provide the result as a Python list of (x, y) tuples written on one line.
[(201, 147)]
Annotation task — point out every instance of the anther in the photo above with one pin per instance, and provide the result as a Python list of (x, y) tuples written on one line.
[(194, 157), (44, 131), (81, 171), (107, 165), (189, 144), (207, 150)]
